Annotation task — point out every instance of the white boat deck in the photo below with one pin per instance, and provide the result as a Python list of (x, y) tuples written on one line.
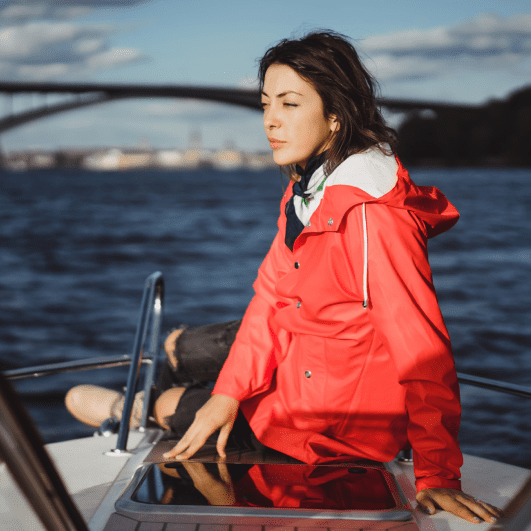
[(93, 477)]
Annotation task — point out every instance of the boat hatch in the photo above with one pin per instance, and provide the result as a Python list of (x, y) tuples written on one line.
[(261, 488)]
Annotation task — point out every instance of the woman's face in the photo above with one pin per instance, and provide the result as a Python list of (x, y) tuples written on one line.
[(294, 118)]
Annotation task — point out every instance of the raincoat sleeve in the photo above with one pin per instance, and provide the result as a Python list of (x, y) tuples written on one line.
[(252, 360), (405, 314)]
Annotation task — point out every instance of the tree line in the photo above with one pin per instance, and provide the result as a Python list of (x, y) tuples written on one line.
[(497, 133)]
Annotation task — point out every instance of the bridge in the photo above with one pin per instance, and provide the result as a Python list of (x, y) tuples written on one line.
[(78, 95)]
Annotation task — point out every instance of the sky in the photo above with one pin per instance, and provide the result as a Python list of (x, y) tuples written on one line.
[(452, 50)]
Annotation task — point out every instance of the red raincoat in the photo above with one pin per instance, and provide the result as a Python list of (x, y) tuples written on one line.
[(320, 376)]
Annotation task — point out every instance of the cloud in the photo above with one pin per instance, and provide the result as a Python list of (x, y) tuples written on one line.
[(37, 41), (46, 42), (23, 10), (19, 13), (485, 42), (114, 57)]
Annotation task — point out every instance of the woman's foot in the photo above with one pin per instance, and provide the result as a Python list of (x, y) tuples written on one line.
[(170, 346), (92, 404)]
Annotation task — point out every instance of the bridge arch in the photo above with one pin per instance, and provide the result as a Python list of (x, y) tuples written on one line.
[(93, 94)]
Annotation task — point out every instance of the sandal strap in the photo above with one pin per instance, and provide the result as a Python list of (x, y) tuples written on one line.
[(136, 413)]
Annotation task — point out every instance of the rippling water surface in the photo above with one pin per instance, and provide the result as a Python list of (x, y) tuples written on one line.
[(76, 247)]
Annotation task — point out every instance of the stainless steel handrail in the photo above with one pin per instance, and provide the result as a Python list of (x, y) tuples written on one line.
[(87, 364), (494, 385), (154, 347), (150, 319)]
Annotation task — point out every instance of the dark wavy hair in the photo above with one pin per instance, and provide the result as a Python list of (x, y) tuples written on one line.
[(329, 62)]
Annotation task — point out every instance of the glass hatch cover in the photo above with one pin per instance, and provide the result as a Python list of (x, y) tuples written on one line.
[(289, 486)]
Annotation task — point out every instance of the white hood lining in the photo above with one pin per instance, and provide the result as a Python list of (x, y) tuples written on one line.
[(370, 171)]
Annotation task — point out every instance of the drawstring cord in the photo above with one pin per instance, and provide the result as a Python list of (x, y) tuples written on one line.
[(365, 259)]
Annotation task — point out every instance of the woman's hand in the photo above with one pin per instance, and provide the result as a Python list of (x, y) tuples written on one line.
[(458, 503), (218, 413)]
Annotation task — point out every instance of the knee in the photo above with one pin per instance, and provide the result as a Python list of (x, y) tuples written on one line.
[(170, 346), (166, 404)]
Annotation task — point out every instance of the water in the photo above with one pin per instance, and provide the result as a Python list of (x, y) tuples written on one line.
[(76, 247)]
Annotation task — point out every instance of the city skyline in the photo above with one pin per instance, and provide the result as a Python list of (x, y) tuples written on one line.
[(453, 51)]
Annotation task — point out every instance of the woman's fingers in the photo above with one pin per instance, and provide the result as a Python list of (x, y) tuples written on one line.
[(458, 503), (496, 511), (426, 504), (467, 511), (186, 442), (195, 444), (192, 441), (487, 512), (177, 449), (481, 509), (223, 438), (219, 412)]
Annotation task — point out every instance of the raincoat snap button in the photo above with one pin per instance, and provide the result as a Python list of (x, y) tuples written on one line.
[(309, 223), (330, 221), (297, 265), (307, 374), (299, 304)]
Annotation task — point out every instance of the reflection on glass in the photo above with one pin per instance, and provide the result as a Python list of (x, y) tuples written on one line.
[(271, 485)]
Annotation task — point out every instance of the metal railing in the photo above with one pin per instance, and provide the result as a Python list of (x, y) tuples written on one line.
[(150, 320), (494, 385), (88, 364)]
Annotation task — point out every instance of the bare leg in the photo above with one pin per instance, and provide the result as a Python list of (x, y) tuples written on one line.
[(166, 404), (91, 404)]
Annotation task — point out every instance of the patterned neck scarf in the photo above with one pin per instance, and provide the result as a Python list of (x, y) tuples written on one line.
[(294, 225)]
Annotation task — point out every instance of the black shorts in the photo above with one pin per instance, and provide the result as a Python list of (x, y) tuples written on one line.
[(241, 435), (201, 353)]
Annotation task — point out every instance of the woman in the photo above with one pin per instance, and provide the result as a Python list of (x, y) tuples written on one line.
[(343, 351)]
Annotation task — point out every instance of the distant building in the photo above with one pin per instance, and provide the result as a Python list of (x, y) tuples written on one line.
[(117, 159), (169, 158), (16, 161), (120, 159), (134, 160), (227, 160), (41, 160), (103, 160), (32, 159)]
